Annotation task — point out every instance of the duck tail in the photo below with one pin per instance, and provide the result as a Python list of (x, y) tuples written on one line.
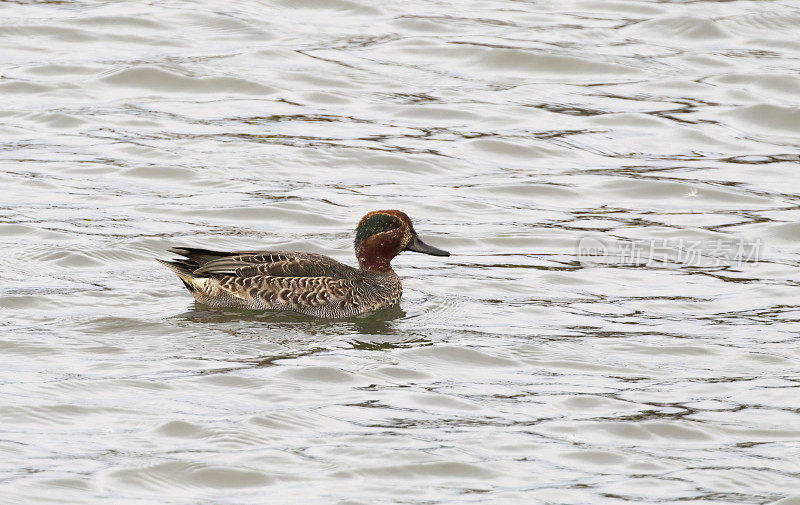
[(199, 256), (185, 270)]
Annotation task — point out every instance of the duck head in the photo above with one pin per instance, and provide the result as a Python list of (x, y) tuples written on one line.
[(383, 234)]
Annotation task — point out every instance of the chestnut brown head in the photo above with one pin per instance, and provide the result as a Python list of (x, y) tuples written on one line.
[(383, 234)]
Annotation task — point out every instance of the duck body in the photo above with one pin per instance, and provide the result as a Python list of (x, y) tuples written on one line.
[(302, 282), (308, 283)]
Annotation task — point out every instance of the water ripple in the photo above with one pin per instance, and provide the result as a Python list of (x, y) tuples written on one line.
[(525, 368)]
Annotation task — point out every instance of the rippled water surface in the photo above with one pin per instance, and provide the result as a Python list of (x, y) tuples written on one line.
[(525, 368)]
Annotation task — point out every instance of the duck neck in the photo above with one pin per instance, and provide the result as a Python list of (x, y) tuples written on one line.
[(375, 253), (374, 263)]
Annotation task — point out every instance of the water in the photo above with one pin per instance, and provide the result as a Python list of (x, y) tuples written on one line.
[(526, 368)]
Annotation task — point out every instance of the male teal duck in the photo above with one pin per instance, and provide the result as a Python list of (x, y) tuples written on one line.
[(305, 282)]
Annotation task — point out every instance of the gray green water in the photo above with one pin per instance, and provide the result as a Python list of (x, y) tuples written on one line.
[(525, 368)]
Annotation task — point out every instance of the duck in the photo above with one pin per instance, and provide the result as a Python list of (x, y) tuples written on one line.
[(306, 283)]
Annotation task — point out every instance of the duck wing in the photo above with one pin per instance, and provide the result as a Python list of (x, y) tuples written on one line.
[(265, 263)]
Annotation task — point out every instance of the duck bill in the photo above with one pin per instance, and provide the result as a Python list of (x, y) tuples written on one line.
[(419, 246)]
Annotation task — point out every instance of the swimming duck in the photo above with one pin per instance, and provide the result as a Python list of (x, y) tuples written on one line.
[(306, 282)]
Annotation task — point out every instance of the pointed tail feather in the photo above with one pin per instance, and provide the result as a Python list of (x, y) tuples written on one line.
[(184, 269), (199, 256)]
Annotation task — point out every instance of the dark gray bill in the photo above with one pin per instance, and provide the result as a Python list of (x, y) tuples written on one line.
[(418, 245)]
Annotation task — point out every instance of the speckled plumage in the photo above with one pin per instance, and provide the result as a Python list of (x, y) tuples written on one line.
[(305, 282)]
